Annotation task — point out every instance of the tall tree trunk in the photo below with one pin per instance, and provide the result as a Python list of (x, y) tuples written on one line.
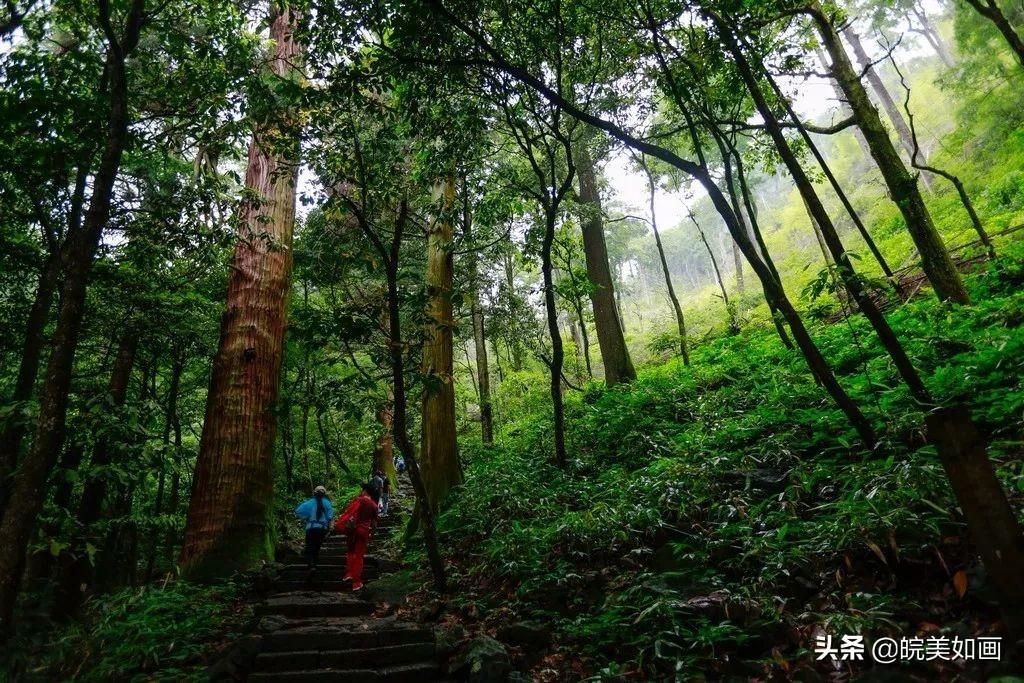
[(439, 448), (935, 259), (607, 318), (425, 512), (35, 336), (557, 359), (892, 111), (838, 189), (680, 321), (931, 34), (991, 11), (77, 578), (170, 415), (26, 498), (228, 526), (479, 339), (990, 517), (586, 341), (28, 369), (749, 223)]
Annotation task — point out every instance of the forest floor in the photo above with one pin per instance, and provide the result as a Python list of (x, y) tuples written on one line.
[(716, 519)]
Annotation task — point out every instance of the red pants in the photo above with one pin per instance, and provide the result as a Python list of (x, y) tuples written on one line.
[(357, 540)]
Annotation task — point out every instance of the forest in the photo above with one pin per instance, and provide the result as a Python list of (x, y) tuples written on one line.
[(687, 336)]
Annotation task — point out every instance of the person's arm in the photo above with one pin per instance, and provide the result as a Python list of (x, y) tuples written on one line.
[(301, 512)]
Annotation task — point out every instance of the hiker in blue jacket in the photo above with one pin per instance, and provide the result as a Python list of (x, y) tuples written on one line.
[(317, 513)]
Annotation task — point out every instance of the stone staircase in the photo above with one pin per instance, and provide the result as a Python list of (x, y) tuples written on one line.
[(313, 628)]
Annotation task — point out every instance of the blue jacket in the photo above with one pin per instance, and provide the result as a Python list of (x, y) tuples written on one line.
[(307, 511)]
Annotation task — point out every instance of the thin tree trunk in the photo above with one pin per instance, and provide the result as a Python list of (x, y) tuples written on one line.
[(170, 415), (586, 341), (680, 321), (734, 327), (384, 451), (932, 35), (439, 448), (479, 339), (26, 498), (935, 259), (557, 351), (737, 263), (78, 577), (483, 374), (817, 234), (228, 526), (838, 189), (28, 369), (425, 512), (866, 67), (607, 318), (35, 337), (844, 107)]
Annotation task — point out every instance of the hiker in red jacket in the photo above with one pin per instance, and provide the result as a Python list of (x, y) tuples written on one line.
[(356, 523)]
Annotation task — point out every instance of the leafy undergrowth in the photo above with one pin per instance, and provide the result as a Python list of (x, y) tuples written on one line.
[(715, 518), (153, 633)]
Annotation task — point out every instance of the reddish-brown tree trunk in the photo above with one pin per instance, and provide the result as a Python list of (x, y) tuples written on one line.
[(439, 455), (228, 526)]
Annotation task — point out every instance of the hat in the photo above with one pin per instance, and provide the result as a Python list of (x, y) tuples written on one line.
[(320, 489)]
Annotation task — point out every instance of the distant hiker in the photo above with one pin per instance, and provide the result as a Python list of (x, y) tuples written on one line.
[(399, 463), (356, 523), (318, 513), (377, 482), (385, 493)]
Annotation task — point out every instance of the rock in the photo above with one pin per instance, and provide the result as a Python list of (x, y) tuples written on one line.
[(530, 634), (271, 623), (431, 611), (484, 660), (237, 662), (447, 640), (518, 677), (763, 479)]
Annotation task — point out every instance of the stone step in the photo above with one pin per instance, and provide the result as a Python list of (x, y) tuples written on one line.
[(322, 572), (409, 673), (312, 604), (340, 660), (338, 565), (355, 633), (319, 585)]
